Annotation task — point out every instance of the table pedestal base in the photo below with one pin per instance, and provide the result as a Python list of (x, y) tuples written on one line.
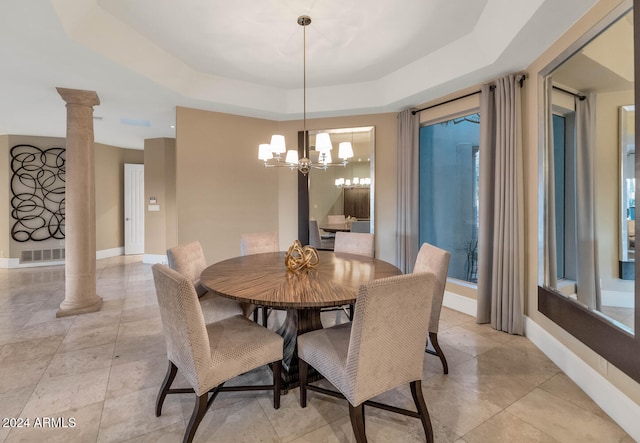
[(297, 322)]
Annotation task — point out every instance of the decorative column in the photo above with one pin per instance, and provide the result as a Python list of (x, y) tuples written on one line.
[(80, 207)]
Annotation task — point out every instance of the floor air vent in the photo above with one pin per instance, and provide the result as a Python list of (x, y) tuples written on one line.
[(40, 255)]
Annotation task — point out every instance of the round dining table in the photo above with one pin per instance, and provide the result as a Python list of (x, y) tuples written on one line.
[(263, 279)]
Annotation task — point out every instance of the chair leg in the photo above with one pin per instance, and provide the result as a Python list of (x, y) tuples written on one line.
[(356, 413), (166, 384), (351, 312), (265, 316), (302, 376), (418, 398), (433, 337), (255, 315), (196, 417), (276, 367)]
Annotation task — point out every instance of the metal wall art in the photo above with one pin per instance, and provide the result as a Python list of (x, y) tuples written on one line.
[(37, 193)]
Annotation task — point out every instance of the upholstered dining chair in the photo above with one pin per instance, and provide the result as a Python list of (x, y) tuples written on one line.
[(188, 260), (259, 243), (316, 240), (379, 351), (361, 226), (208, 355), (433, 259), (358, 243), (337, 219)]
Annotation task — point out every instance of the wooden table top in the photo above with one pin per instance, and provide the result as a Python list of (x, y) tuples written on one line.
[(264, 279), (338, 227)]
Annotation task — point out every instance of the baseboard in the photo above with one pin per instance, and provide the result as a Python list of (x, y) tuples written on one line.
[(615, 403), (13, 263), (108, 253), (152, 259), (619, 299), (460, 303)]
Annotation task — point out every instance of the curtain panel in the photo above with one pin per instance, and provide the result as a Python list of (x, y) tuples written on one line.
[(501, 224), (588, 276), (407, 201)]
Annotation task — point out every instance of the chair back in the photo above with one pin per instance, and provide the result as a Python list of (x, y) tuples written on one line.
[(189, 261), (360, 226), (358, 243), (184, 328), (259, 242), (314, 234), (388, 334), (336, 219), (433, 259)]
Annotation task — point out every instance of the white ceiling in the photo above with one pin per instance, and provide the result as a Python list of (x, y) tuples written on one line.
[(145, 57)]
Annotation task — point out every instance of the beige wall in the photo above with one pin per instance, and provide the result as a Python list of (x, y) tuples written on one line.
[(5, 200), (532, 128), (223, 190), (160, 227), (110, 162), (109, 193)]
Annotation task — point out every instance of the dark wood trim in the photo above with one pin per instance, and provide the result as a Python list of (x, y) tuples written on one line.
[(303, 195), (615, 345)]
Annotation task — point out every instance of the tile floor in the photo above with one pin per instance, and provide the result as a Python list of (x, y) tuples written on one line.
[(103, 371)]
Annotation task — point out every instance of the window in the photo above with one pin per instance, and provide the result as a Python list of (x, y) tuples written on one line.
[(449, 177), (564, 152)]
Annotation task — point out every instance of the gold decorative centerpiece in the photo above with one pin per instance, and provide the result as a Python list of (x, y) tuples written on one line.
[(301, 257)]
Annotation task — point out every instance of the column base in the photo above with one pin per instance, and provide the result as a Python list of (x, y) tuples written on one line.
[(93, 306)]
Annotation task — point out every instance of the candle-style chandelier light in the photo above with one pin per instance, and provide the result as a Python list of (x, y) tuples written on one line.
[(271, 154)]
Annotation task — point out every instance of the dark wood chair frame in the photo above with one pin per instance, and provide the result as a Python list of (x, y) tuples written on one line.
[(204, 401), (433, 339), (356, 413)]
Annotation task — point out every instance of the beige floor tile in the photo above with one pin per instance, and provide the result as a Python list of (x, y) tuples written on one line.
[(75, 425), (170, 434), (80, 337), (64, 393), (30, 349), (563, 420), (507, 428), (455, 406), (291, 421), (78, 362), (563, 387), (137, 375), (22, 374), (59, 326), (491, 383), (520, 361), (133, 415), (242, 422), (466, 341)]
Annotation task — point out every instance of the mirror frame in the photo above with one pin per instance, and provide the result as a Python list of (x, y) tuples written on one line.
[(303, 181), (614, 344)]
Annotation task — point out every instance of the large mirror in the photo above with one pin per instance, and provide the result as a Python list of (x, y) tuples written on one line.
[(587, 276), (340, 192)]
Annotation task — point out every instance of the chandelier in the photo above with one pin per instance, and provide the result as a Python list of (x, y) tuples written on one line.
[(271, 154)]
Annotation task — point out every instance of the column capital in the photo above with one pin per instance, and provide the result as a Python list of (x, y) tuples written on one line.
[(79, 97)]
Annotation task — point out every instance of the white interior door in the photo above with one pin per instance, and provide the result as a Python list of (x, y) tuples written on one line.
[(133, 209)]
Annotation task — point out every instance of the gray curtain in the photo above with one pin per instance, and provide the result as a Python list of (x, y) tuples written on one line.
[(587, 272), (407, 211), (549, 227), (501, 230)]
